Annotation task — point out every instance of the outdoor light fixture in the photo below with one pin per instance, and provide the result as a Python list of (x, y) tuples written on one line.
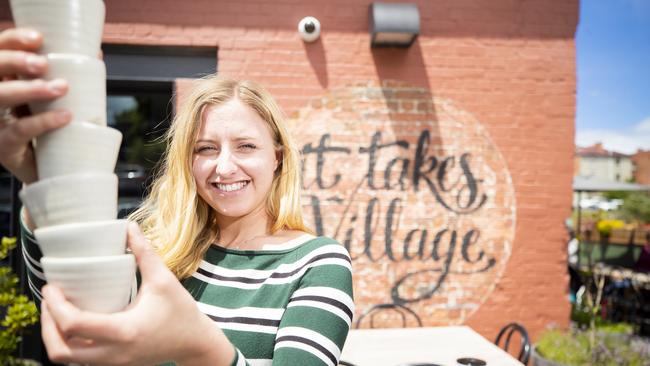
[(393, 24)]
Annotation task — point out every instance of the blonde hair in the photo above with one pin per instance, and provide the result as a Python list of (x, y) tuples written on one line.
[(177, 221)]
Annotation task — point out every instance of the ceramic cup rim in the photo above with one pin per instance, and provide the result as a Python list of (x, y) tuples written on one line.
[(95, 5), (76, 177), (77, 57), (86, 126), (106, 259), (71, 226), (25, 13)]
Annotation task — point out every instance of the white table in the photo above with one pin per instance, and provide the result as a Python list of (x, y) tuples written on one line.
[(437, 345)]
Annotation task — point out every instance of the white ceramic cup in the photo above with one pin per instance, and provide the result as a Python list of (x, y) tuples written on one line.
[(99, 284), (86, 96), (77, 148), (83, 239), (65, 199), (71, 26)]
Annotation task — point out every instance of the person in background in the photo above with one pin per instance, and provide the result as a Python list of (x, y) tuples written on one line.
[(230, 275), (643, 262), (573, 265)]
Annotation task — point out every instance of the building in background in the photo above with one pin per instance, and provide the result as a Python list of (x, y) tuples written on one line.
[(597, 162), (445, 167), (641, 161)]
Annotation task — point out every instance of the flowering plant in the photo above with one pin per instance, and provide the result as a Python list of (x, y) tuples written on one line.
[(605, 227)]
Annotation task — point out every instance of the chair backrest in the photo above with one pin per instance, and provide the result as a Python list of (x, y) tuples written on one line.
[(345, 363), (400, 309), (508, 331)]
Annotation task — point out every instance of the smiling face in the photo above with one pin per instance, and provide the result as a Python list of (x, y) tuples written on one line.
[(234, 160)]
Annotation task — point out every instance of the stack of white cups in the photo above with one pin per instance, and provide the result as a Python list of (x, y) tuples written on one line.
[(74, 202)]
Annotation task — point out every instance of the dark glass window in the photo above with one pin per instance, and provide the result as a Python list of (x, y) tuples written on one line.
[(142, 112), (140, 88)]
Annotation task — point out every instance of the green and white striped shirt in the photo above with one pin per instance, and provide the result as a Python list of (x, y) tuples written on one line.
[(290, 305)]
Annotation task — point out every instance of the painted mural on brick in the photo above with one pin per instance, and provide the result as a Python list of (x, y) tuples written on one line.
[(417, 192)]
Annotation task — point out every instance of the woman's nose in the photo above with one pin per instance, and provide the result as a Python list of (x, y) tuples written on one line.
[(225, 164)]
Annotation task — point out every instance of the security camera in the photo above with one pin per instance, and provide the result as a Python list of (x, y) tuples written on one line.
[(309, 29)]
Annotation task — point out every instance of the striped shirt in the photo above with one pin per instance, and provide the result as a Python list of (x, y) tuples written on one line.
[(290, 305)]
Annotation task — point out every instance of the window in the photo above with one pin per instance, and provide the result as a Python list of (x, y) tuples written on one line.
[(140, 88), (142, 111)]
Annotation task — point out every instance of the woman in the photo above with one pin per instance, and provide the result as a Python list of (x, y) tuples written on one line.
[(224, 218)]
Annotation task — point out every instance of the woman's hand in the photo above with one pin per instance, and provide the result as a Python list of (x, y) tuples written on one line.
[(162, 324), (16, 132)]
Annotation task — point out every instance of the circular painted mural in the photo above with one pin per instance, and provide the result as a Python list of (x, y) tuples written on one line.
[(418, 193)]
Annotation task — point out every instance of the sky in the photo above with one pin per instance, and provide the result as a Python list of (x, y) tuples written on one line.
[(613, 56)]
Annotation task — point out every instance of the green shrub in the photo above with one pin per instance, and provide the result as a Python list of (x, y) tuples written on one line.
[(581, 317), (572, 348), (19, 313), (636, 207)]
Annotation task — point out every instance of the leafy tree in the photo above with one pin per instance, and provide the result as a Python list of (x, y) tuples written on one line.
[(613, 195), (144, 145), (636, 207)]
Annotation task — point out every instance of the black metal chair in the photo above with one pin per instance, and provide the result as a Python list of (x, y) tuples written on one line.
[(508, 331), (345, 363), (400, 309)]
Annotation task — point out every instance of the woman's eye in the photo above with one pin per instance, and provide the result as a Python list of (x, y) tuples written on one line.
[(201, 149), (248, 146)]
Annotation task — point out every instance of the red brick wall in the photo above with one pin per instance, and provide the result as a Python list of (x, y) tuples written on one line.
[(494, 79), (641, 161)]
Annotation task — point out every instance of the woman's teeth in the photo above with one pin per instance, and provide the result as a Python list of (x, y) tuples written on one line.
[(231, 187)]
